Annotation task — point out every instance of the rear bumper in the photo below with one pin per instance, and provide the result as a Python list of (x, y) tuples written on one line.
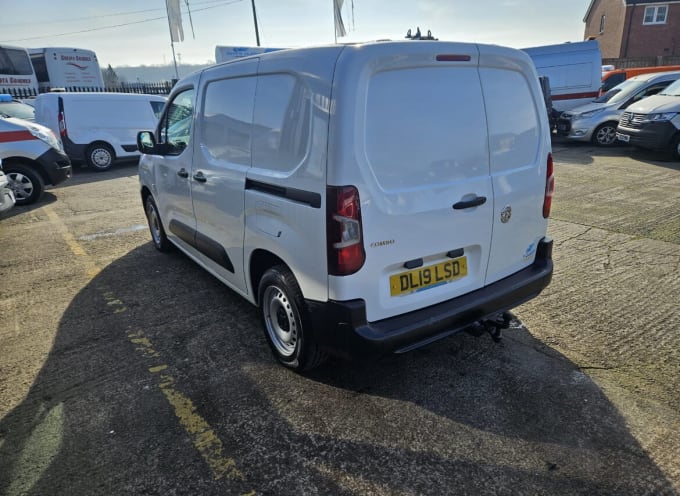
[(341, 328)]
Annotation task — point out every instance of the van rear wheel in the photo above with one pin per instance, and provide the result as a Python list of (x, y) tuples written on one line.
[(285, 321), (100, 156), (26, 184)]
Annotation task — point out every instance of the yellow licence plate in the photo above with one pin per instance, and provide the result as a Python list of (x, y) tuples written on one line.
[(428, 277)]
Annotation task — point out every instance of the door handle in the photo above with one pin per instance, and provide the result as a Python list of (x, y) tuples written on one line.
[(474, 202), (200, 177), (183, 173)]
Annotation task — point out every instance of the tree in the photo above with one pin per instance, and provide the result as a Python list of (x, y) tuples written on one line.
[(111, 79)]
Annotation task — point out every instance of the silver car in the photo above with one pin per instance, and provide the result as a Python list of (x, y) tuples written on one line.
[(597, 121)]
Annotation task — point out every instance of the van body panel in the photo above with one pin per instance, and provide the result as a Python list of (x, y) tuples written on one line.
[(519, 144), (221, 144), (286, 197), (113, 118)]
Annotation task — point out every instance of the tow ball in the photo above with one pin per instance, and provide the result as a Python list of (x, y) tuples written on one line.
[(494, 326)]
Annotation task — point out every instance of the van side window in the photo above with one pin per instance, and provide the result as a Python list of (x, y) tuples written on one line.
[(176, 126), (227, 119), (512, 119), (282, 123)]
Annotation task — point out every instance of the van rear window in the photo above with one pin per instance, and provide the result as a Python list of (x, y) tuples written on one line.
[(425, 126)]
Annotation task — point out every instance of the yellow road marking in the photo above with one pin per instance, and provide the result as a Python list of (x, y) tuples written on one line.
[(91, 268), (202, 435)]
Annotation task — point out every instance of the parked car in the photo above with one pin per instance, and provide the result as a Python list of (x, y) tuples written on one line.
[(613, 76), (10, 107), (597, 121), (654, 122), (368, 198), (6, 194), (32, 156), (98, 128)]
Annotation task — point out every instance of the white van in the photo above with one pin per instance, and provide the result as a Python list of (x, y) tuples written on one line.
[(573, 69), (98, 128), (369, 198)]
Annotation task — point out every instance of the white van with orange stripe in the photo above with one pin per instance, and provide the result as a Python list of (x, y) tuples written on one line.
[(32, 157)]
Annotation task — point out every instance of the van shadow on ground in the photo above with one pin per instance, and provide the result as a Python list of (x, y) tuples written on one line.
[(464, 416)]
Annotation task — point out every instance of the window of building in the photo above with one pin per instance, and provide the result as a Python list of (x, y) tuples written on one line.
[(602, 19), (656, 14)]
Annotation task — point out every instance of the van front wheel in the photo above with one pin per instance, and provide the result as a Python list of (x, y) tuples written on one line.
[(100, 156), (285, 322)]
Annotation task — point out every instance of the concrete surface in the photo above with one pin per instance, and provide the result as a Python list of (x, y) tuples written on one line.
[(127, 371)]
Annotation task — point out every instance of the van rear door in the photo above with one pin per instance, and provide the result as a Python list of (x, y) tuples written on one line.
[(519, 145), (411, 135)]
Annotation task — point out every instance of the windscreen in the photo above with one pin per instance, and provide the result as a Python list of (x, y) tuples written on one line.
[(672, 90)]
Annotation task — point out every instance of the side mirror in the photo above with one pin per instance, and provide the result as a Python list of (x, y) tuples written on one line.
[(146, 143)]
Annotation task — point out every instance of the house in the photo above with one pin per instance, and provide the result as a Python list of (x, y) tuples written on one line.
[(634, 28)]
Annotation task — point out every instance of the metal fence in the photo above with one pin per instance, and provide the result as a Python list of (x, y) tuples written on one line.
[(160, 88)]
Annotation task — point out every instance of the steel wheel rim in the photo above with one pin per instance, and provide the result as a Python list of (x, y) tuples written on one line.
[(154, 224), (101, 158), (21, 185), (280, 320), (606, 135)]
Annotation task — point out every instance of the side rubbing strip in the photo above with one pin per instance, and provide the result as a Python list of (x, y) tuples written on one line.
[(308, 197)]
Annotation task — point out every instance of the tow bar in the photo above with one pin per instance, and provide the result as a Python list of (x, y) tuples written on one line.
[(494, 326)]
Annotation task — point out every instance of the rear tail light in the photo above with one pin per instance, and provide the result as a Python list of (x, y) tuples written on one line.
[(62, 125), (344, 238), (549, 187)]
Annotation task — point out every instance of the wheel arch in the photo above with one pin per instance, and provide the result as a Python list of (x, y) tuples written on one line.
[(261, 261), (36, 166), (145, 193)]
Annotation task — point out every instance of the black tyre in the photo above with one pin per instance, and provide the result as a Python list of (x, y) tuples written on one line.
[(285, 322), (160, 240), (675, 148), (26, 183), (605, 134), (100, 156)]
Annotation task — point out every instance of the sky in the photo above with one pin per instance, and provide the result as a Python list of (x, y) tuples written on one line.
[(133, 33)]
